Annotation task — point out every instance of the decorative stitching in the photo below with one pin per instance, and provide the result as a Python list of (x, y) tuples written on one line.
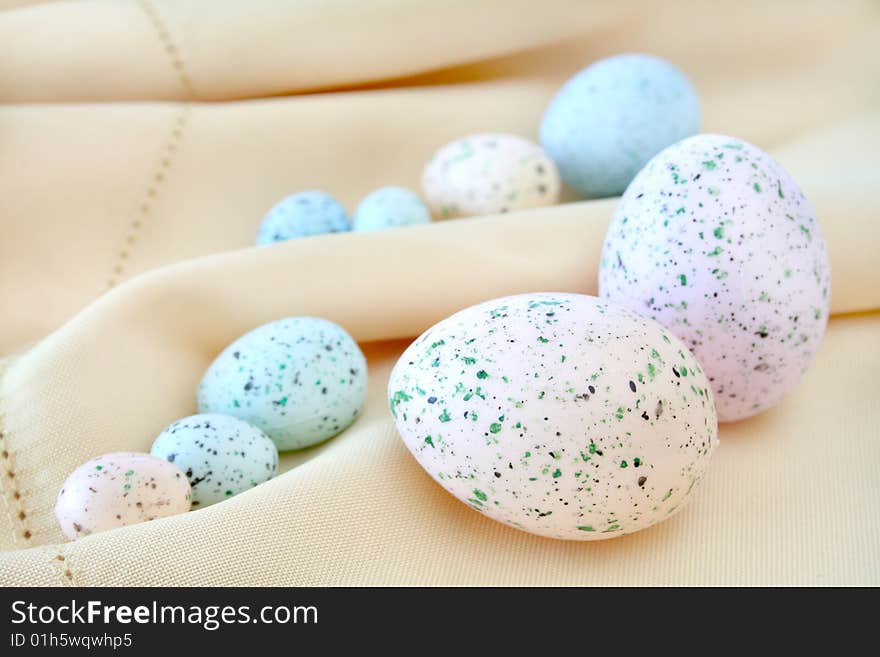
[(158, 178), (145, 208), (15, 509), (67, 574), (168, 44)]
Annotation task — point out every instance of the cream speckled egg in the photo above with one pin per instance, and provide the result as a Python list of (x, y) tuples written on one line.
[(301, 380), (489, 174), (119, 489), (220, 455), (714, 240), (559, 414)]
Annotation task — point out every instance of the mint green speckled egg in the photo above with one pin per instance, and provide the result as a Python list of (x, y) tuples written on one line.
[(301, 380)]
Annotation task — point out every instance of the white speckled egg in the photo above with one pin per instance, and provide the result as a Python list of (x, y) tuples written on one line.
[(119, 489), (607, 121), (303, 215), (489, 174), (220, 455), (715, 241), (560, 414), (301, 380), (390, 207)]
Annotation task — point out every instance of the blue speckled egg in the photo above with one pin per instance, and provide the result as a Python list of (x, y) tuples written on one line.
[(390, 207), (301, 380), (221, 455), (607, 121), (303, 215)]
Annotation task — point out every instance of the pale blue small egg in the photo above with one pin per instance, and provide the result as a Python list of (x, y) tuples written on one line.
[(303, 215), (301, 380), (607, 121), (221, 455), (390, 207)]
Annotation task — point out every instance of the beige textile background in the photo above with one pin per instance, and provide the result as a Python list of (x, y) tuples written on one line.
[(139, 149)]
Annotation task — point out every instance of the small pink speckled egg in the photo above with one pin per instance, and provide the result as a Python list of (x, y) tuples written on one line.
[(119, 489), (489, 174), (714, 240)]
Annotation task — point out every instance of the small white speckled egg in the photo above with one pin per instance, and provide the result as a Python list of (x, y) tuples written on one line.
[(220, 455), (489, 174), (560, 414), (607, 121), (390, 207), (714, 240), (119, 489), (303, 215), (301, 380)]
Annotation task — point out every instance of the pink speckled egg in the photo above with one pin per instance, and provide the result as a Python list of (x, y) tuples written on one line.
[(560, 414), (119, 489), (714, 240)]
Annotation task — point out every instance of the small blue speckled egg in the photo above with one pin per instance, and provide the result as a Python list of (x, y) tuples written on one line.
[(607, 121), (303, 215), (390, 207), (301, 380), (221, 455)]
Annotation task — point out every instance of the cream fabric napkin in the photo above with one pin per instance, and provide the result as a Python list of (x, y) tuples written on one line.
[(125, 267)]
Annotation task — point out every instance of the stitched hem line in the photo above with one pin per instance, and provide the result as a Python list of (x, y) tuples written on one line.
[(64, 570), (171, 49), (13, 497), (146, 207)]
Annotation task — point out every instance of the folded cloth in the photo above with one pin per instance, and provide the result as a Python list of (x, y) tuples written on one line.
[(125, 268), (209, 50)]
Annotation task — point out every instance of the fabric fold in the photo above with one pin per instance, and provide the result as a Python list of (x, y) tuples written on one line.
[(210, 51), (360, 511), (128, 364), (126, 265)]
